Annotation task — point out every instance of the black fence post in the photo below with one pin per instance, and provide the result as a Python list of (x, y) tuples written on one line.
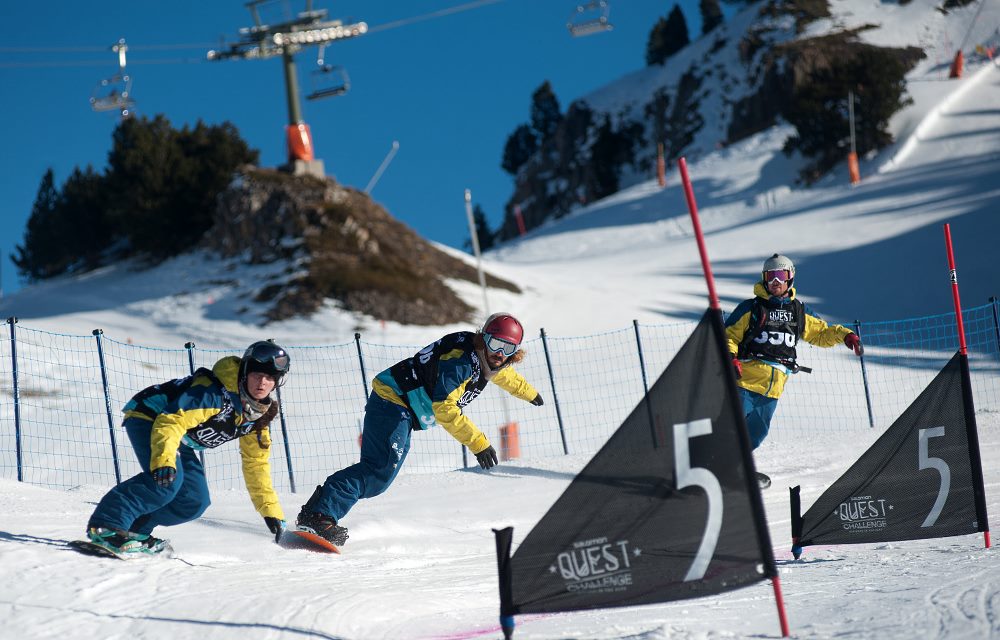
[(98, 333), (555, 395), (645, 383), (864, 378), (284, 433), (284, 436), (12, 321), (190, 349), (642, 361), (996, 321)]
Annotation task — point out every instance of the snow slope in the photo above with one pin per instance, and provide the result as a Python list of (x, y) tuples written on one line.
[(420, 562)]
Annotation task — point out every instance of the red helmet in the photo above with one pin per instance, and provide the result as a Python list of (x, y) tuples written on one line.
[(504, 326)]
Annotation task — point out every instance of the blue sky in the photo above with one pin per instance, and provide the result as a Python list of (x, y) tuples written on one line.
[(449, 88)]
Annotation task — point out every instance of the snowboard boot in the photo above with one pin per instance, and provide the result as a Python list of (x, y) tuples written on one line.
[(763, 480), (150, 544), (115, 541), (320, 524)]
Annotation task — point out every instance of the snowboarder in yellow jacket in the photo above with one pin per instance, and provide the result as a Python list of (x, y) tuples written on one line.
[(762, 334), (430, 389), (169, 423)]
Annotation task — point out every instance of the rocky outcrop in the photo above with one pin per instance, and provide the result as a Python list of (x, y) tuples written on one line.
[(338, 244)]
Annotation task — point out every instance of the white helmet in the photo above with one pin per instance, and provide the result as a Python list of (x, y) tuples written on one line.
[(777, 262)]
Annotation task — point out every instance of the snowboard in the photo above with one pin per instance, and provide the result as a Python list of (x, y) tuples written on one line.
[(291, 539), (87, 547), (763, 480)]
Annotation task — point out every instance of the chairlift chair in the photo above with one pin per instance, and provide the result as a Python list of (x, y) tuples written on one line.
[(113, 94), (328, 81), (589, 18)]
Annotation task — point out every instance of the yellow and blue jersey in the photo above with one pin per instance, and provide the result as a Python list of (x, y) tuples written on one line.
[(440, 380), (203, 411), (768, 353)]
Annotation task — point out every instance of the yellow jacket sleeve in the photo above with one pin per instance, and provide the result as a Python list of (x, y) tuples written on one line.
[(167, 431), (514, 383), (257, 474), (818, 332), (449, 415)]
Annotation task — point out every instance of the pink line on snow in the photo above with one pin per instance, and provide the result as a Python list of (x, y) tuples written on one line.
[(482, 631)]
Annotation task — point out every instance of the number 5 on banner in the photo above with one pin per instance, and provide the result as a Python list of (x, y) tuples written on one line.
[(688, 476)]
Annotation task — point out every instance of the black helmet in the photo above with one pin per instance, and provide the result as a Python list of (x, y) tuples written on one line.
[(265, 357)]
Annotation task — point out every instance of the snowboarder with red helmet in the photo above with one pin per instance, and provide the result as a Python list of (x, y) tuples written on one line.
[(430, 389)]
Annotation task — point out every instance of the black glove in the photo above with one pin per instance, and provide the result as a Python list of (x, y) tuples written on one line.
[(164, 476), (275, 526), (538, 400), (487, 458)]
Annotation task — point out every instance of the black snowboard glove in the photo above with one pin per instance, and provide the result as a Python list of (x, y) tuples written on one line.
[(275, 526), (538, 400), (487, 458), (164, 476)]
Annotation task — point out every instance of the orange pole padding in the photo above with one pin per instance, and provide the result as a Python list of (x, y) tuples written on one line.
[(852, 167), (510, 442), (661, 166), (300, 146), (956, 65)]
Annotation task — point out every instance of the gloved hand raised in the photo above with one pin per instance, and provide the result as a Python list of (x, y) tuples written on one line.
[(275, 526), (164, 476), (487, 458), (854, 342), (737, 368), (538, 400)]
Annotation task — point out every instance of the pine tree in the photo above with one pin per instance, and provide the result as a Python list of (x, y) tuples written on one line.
[(668, 36), (484, 235), (711, 15), (520, 146), (39, 247), (545, 113)]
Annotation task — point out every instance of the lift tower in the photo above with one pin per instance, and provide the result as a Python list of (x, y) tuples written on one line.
[(309, 28)]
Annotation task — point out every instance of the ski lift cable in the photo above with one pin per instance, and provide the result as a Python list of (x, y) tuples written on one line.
[(468, 6), (432, 15)]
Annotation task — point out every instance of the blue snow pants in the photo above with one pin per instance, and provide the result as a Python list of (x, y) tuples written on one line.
[(385, 441), (139, 505), (758, 410)]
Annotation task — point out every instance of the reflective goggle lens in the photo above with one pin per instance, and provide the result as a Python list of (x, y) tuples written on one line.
[(279, 360), (496, 345), (781, 275)]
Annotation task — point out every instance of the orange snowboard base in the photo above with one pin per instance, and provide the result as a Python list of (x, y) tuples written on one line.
[(306, 540)]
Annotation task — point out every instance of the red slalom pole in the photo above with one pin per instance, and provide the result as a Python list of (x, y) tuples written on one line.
[(713, 299), (970, 408), (953, 275)]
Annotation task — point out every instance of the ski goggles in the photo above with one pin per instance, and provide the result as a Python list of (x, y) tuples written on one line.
[(781, 275), (276, 358), (499, 345)]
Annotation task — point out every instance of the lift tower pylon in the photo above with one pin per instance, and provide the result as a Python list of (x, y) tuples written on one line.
[(309, 28)]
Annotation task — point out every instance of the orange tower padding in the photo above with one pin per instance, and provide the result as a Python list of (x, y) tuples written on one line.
[(661, 166), (956, 65), (852, 167), (300, 146), (510, 442)]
